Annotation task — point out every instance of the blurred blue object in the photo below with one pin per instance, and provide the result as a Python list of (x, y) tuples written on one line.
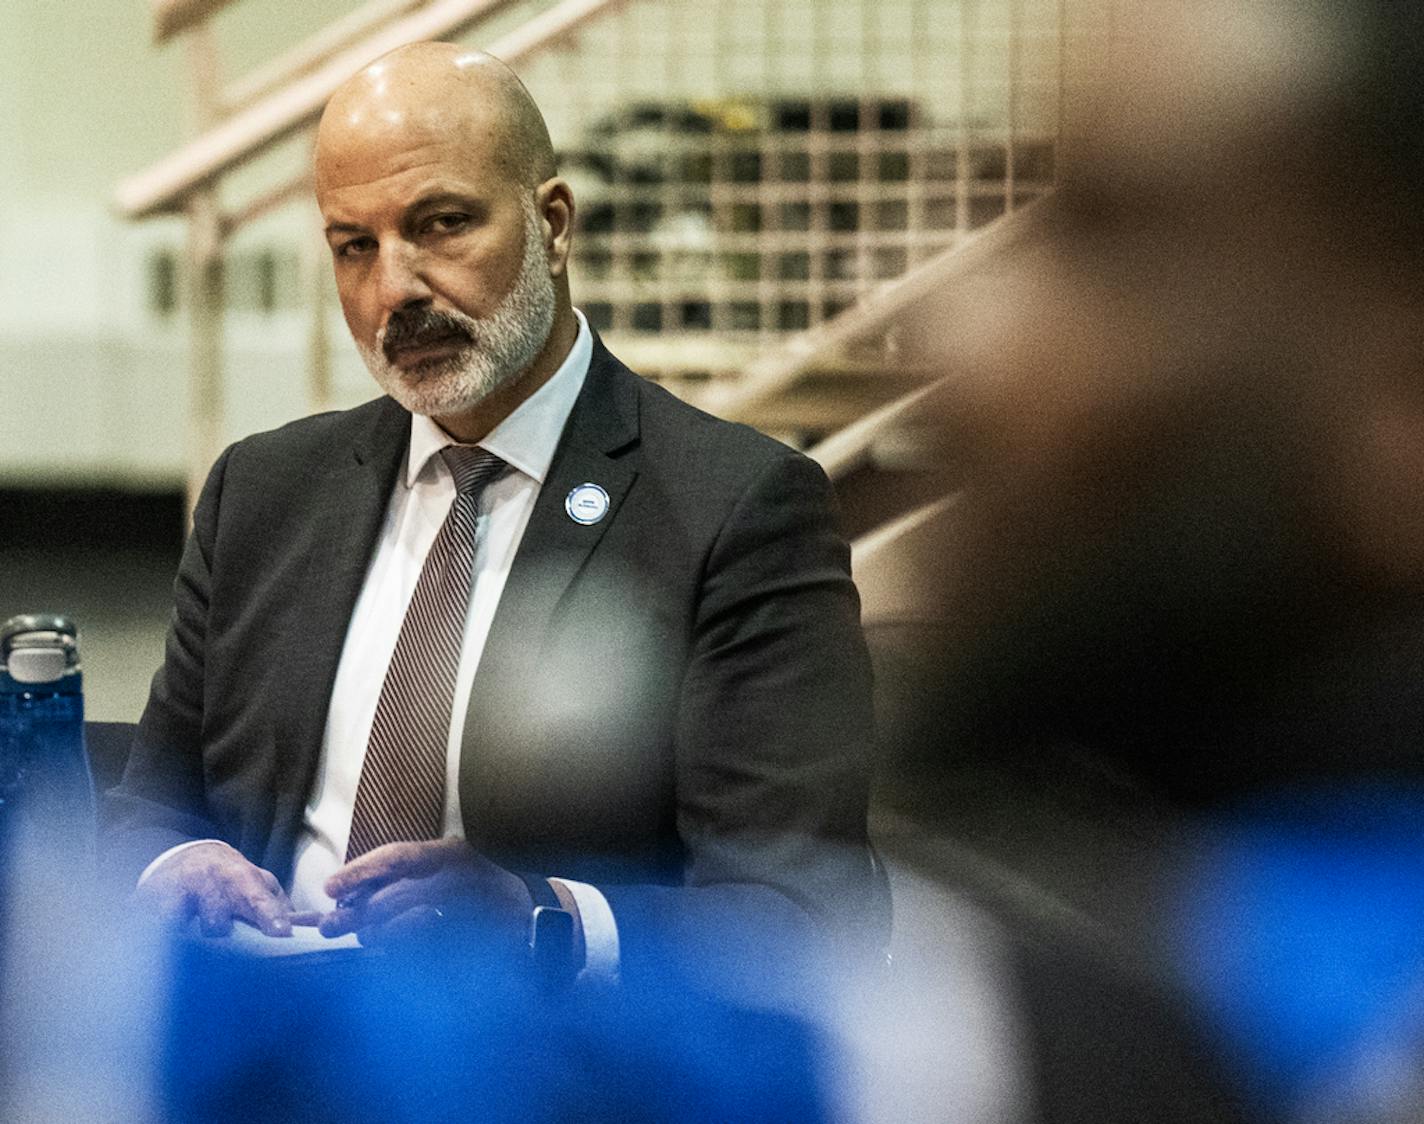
[(1305, 928), (452, 1031)]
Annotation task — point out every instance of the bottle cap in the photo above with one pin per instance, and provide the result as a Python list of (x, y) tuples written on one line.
[(38, 648)]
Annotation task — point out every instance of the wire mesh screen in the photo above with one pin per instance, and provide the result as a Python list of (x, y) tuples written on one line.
[(747, 168)]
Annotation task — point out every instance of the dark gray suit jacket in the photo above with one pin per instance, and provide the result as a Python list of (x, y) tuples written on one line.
[(673, 703)]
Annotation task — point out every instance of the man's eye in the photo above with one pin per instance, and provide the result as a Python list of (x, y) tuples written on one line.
[(353, 246), (448, 223)]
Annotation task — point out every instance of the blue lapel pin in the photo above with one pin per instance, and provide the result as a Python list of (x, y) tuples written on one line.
[(587, 504)]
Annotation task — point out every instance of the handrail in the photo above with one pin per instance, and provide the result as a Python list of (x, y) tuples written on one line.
[(165, 185), (173, 17), (314, 50), (848, 449), (788, 363), (894, 562)]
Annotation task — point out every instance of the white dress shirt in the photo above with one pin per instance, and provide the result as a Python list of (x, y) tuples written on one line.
[(422, 495)]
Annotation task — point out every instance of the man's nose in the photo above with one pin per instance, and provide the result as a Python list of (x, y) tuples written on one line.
[(401, 277)]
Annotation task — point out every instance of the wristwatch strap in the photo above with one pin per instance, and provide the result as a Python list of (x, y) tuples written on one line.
[(541, 892)]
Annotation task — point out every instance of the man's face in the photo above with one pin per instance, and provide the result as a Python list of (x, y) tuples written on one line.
[(440, 265)]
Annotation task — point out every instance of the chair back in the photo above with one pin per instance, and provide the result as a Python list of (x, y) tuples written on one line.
[(108, 744)]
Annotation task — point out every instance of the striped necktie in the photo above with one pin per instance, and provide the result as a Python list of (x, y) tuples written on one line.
[(401, 794)]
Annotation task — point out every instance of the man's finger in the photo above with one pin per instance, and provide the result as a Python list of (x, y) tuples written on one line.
[(389, 863), (257, 899), (420, 921), (360, 912), (267, 916), (339, 922), (399, 897), (406, 905)]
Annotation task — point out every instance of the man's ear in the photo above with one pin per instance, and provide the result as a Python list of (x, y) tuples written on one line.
[(554, 201)]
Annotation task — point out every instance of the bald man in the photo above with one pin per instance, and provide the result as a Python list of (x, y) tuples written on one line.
[(654, 724)]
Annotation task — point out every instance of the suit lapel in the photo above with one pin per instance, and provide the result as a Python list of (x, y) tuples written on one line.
[(596, 448)]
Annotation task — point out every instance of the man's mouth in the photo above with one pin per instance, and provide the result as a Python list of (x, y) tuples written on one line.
[(427, 348)]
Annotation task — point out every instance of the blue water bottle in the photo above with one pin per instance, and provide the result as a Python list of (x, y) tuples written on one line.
[(46, 789)]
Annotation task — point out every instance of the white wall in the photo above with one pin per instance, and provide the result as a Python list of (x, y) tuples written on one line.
[(92, 384)]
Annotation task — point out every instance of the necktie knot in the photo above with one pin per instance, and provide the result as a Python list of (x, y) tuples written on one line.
[(471, 466)]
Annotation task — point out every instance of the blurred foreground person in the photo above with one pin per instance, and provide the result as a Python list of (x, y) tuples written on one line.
[(1177, 596)]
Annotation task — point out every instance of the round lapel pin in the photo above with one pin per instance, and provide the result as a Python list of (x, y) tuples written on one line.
[(587, 504)]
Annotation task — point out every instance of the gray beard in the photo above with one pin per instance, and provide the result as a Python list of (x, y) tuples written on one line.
[(504, 343)]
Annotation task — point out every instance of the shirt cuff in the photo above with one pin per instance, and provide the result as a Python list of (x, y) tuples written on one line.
[(168, 854), (600, 932)]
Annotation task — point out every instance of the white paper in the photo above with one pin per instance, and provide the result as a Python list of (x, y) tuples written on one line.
[(305, 938)]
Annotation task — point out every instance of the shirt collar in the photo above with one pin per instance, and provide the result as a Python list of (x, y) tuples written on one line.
[(527, 438)]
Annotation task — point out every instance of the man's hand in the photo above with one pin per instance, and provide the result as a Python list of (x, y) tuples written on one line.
[(214, 883), (411, 890)]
